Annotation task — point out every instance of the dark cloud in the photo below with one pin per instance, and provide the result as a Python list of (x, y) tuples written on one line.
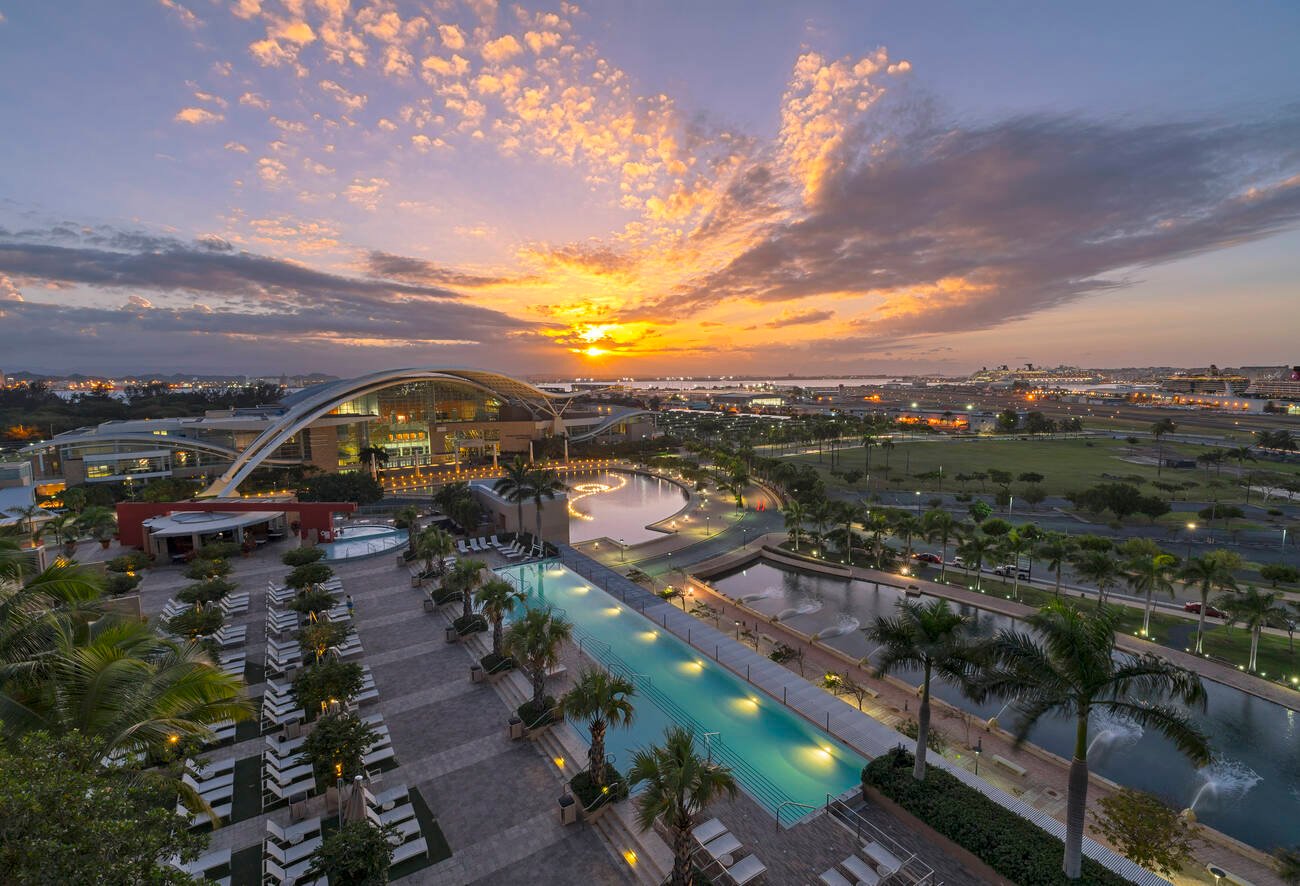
[(983, 225), (802, 318), (420, 271)]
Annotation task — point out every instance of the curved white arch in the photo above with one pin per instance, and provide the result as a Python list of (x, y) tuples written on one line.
[(605, 423), (312, 404)]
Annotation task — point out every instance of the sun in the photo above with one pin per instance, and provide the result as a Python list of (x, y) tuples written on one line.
[(594, 351)]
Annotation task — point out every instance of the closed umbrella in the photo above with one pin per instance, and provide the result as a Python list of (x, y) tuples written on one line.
[(354, 808)]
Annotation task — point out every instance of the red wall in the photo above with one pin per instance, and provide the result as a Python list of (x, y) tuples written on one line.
[(312, 515)]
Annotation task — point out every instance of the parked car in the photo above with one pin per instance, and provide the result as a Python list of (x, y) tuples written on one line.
[(1212, 612), (1009, 570), (958, 562), (926, 557)]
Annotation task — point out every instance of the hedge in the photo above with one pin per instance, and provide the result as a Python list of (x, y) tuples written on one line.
[(301, 556), (1013, 846)]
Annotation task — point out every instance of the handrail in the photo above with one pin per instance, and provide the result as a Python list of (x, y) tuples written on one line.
[(791, 803)]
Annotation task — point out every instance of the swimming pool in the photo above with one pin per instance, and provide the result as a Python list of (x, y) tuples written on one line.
[(777, 757), (620, 505), (363, 541)]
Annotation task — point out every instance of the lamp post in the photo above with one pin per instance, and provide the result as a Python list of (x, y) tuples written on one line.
[(979, 749), (1191, 528), (737, 629), (623, 551)]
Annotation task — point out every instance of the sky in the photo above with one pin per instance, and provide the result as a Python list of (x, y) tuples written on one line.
[(643, 188)]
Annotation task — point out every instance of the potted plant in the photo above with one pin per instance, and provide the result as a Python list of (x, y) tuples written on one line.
[(536, 640), (600, 700)]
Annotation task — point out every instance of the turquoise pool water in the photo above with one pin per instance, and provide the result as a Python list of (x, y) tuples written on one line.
[(364, 541), (777, 756)]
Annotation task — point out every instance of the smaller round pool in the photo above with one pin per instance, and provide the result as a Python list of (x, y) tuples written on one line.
[(352, 542)]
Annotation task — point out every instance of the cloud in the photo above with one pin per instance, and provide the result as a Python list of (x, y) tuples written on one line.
[(237, 147), (501, 49), (9, 290), (187, 18), (478, 232), (418, 270), (452, 37), (366, 192), (799, 318), (252, 99), (350, 101), (196, 116)]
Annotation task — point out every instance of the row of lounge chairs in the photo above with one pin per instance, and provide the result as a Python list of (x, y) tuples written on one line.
[(870, 865), (720, 848), (483, 544)]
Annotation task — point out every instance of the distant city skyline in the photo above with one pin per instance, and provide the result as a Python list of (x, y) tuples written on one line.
[(645, 189)]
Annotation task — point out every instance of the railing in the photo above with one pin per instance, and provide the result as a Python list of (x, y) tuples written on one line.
[(912, 871)]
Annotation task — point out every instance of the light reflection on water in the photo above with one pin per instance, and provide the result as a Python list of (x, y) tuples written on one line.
[(624, 509)]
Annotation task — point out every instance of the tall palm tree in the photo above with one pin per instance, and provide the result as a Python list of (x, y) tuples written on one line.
[(975, 548), (535, 640), (98, 522), (939, 525), (408, 518), (373, 457), (1148, 569), (795, 517), (433, 546), (878, 524), (1208, 573), (513, 487), (1158, 430), (821, 514), (1101, 568), (64, 528), (905, 526), (1256, 611), (497, 599), (543, 485), (848, 513), (1242, 454), (29, 513), (1069, 666), (679, 783), (935, 639), (465, 577), (1057, 548), (600, 699)]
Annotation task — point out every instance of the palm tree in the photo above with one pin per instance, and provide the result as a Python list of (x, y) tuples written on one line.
[(1101, 568), (939, 525), (29, 513), (1210, 572), (543, 485), (1149, 570), (795, 516), (868, 441), (464, 577), (98, 522), (1012, 547), (1158, 430), (433, 546), (1256, 611), (848, 513), (601, 700), (907, 525), (821, 514), (1057, 548), (1241, 454), (935, 639), (513, 487), (408, 518), (373, 456), (679, 784), (64, 527), (1069, 666), (975, 548), (878, 524), (496, 599), (535, 640)]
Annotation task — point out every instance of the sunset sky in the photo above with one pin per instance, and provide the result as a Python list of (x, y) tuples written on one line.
[(637, 188)]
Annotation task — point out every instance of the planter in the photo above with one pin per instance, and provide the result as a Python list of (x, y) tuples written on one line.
[(568, 809), (476, 673), (430, 606), (594, 813), (451, 635), (516, 728), (104, 543)]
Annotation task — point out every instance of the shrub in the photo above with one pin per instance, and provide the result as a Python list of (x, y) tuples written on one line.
[(195, 622), (335, 747), (302, 556), (309, 574), (317, 600), (445, 595), (533, 715), (471, 624), (495, 664), (218, 550), (203, 569), (118, 583), (133, 561), (935, 740), (1013, 846), (318, 636), (206, 591), (358, 853), (591, 797), (325, 680)]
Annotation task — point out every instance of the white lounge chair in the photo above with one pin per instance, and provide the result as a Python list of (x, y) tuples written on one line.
[(721, 846), (294, 833), (496, 542), (860, 870), (884, 860), (274, 873), (461, 546), (288, 856), (413, 849), (745, 870), (835, 878), (387, 799), (709, 830)]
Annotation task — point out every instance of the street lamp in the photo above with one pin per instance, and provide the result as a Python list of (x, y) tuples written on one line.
[(737, 629), (979, 749), (1191, 528), (623, 547)]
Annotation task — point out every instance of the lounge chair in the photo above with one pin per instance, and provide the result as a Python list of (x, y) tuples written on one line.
[(710, 830), (218, 859), (274, 873), (861, 871), (210, 769), (387, 799), (461, 546), (474, 546), (413, 849), (288, 776), (835, 878), (288, 792), (396, 815), (294, 833), (496, 542), (722, 846), (884, 860), (745, 870), (286, 856)]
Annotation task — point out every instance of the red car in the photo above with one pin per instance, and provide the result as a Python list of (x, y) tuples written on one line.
[(928, 558), (1209, 610)]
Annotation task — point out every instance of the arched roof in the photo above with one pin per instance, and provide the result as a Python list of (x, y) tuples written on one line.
[(310, 404)]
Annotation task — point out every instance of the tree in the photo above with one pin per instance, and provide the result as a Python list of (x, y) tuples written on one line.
[(327, 679), (543, 486), (1287, 864), (66, 819), (1148, 569), (1208, 573), (464, 578), (1158, 430), (496, 599), (408, 518), (1070, 666), (337, 744), (974, 549), (513, 487), (1034, 495), (1056, 548), (1279, 573), (99, 523), (358, 853), (360, 488), (1146, 830), (1101, 568), (309, 576), (434, 546), (905, 526), (935, 639), (678, 784), (795, 516), (979, 511), (535, 640), (1256, 611), (599, 699), (940, 526), (373, 457), (1014, 545), (1008, 420)]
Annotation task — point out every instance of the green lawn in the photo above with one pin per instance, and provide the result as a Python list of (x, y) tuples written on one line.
[(1066, 465)]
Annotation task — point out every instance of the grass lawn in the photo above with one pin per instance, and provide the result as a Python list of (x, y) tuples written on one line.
[(439, 850), (247, 801), (1066, 465)]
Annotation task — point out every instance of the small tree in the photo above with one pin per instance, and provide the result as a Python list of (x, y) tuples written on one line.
[(1146, 830), (313, 602), (357, 854), (1279, 573), (195, 622), (337, 744), (205, 591), (599, 699), (301, 556), (317, 637), (309, 575), (327, 680), (201, 570)]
